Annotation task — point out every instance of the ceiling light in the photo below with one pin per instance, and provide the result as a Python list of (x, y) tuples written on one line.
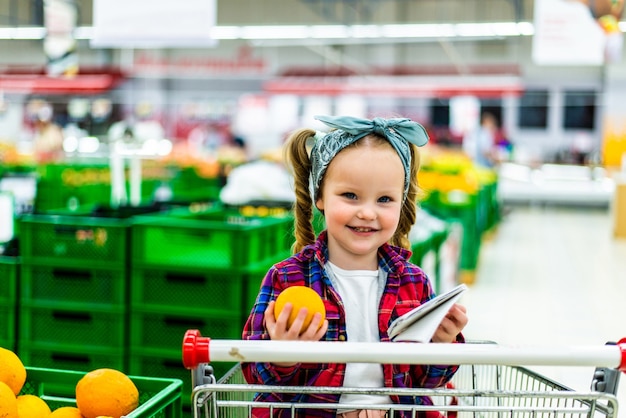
[(275, 32), (329, 31), (364, 31), (319, 32)]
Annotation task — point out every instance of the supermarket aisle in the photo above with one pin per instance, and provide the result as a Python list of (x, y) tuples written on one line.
[(552, 276)]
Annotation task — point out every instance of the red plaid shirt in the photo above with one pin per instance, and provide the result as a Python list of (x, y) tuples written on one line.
[(407, 287)]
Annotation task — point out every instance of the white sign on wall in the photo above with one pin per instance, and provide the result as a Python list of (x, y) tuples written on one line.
[(566, 33), (464, 114), (60, 17), (153, 23)]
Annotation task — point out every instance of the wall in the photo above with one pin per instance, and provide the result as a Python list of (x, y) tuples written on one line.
[(202, 82)]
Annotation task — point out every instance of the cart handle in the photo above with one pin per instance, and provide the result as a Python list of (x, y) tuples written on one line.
[(198, 349)]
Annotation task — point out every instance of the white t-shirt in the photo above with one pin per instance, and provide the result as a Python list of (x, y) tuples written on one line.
[(359, 291)]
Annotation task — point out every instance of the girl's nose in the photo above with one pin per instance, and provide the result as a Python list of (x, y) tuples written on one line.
[(366, 212)]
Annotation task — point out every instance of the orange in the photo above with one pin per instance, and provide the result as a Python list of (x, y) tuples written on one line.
[(66, 412), (12, 370), (8, 403), (300, 297), (106, 392), (32, 406)]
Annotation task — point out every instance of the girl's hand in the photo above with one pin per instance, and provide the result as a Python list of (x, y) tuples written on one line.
[(452, 325), (278, 330)]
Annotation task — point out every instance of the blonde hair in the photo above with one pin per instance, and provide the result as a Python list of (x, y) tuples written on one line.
[(297, 160)]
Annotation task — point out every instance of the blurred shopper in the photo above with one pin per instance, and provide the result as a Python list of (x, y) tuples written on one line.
[(48, 140), (364, 181), (480, 143)]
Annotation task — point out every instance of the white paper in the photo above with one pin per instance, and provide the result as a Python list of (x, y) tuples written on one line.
[(421, 323)]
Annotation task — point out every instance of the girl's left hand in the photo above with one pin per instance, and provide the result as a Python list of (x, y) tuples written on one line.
[(452, 325)]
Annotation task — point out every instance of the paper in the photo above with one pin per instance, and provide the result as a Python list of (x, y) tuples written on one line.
[(420, 323)]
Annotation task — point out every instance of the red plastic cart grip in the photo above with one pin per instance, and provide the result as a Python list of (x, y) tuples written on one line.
[(195, 349), (622, 347)]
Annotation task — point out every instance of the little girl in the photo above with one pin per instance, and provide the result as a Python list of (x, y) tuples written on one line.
[(362, 176)]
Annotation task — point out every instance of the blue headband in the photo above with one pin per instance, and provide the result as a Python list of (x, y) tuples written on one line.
[(398, 131)]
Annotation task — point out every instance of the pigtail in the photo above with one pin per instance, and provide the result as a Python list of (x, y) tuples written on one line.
[(298, 162), (408, 214)]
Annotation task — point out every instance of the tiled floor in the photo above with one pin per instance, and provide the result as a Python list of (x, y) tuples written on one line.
[(552, 276)]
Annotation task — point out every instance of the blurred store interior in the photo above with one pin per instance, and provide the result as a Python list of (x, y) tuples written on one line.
[(126, 128)]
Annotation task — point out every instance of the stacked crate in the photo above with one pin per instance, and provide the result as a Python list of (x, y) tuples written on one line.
[(196, 268), (73, 291), (158, 398), (72, 185), (80, 184), (9, 269)]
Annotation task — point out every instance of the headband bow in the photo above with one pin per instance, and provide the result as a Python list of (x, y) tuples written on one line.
[(398, 131), (404, 128)]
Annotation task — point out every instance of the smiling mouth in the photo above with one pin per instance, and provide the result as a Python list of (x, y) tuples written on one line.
[(359, 229)]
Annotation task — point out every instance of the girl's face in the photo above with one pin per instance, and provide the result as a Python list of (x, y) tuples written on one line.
[(361, 198)]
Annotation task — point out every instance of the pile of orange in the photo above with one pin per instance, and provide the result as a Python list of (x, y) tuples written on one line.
[(101, 393)]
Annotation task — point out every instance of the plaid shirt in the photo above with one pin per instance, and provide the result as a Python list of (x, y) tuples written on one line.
[(407, 287)]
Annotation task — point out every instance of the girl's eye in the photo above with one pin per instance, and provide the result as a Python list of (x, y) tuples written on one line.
[(384, 199), (349, 195)]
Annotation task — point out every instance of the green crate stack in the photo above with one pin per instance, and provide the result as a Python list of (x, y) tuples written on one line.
[(74, 279), (279, 209), (196, 269), (9, 271), (73, 315), (209, 239), (158, 397), (189, 186), (493, 205), (462, 207), (68, 186), (80, 184), (437, 240)]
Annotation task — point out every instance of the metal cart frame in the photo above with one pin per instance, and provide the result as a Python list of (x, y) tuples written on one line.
[(486, 384)]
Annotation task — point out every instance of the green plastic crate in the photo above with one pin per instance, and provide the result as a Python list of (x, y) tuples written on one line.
[(462, 207), (58, 239), (89, 236), (67, 185), (71, 356), (278, 209), (51, 196), (208, 239), (163, 328), (7, 327), (189, 185), (73, 324), (158, 397), (9, 267), (9, 273), (89, 286), (213, 291)]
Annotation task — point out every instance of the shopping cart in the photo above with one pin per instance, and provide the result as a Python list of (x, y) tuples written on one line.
[(490, 382)]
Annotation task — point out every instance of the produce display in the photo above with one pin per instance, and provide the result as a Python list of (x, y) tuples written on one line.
[(158, 270), (100, 393)]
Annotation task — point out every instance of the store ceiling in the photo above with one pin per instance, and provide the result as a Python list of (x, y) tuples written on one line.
[(279, 12)]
